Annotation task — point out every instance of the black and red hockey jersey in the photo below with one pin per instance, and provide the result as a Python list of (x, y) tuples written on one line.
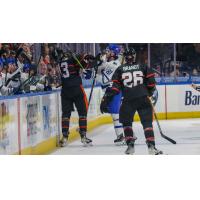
[(134, 81), (70, 71)]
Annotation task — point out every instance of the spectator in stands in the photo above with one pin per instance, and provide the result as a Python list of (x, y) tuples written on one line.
[(42, 68), (175, 73), (194, 72), (49, 79), (27, 49), (47, 59)]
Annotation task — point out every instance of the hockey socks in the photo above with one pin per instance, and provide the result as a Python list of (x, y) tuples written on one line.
[(83, 124)]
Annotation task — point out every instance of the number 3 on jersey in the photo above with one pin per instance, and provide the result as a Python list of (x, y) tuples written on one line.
[(64, 69), (132, 79)]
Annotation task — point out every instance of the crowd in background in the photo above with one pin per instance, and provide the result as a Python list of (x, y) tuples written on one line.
[(21, 73), (35, 67), (184, 62)]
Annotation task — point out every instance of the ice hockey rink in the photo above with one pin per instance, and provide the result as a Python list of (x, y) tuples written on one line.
[(186, 132)]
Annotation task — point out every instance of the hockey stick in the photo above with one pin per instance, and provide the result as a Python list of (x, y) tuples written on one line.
[(155, 70), (159, 127), (98, 62), (8, 79), (22, 84), (74, 56), (19, 52), (92, 88), (12, 75)]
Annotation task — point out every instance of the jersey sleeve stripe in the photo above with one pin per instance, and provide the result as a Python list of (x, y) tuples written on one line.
[(116, 81), (71, 65), (150, 139), (151, 85), (113, 88), (150, 75)]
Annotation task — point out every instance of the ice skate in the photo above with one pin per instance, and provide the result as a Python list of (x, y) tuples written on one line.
[(120, 140), (131, 148), (86, 141), (63, 141), (153, 151)]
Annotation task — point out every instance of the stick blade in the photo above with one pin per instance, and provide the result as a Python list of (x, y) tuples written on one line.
[(169, 139)]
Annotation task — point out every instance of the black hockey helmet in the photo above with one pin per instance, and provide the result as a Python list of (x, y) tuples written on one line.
[(130, 55)]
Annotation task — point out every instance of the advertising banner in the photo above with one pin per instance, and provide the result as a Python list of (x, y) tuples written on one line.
[(182, 98), (8, 126)]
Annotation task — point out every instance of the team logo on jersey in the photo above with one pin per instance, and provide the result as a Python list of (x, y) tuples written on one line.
[(108, 71), (105, 78)]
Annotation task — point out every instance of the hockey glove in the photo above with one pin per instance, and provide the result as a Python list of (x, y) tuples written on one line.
[(89, 58), (98, 59), (154, 97), (104, 105), (95, 62), (107, 98), (87, 74)]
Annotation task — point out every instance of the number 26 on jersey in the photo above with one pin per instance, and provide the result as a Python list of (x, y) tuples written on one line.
[(132, 79)]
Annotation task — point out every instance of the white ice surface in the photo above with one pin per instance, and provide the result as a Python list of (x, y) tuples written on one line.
[(186, 132)]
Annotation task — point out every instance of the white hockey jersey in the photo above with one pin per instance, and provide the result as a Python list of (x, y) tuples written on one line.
[(4, 91), (106, 71)]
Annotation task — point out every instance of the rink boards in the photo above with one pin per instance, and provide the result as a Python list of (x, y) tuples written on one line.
[(31, 124)]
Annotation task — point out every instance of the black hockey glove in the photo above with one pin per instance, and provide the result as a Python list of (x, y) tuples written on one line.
[(154, 97), (89, 58), (98, 59), (104, 105), (97, 62), (107, 98), (94, 62)]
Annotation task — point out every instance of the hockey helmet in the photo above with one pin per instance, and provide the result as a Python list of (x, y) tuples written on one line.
[(10, 60), (26, 67), (114, 48), (130, 55)]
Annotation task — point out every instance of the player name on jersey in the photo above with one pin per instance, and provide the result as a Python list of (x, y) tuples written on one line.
[(191, 99), (131, 67)]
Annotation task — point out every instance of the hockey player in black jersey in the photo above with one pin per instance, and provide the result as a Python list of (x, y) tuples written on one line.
[(137, 84), (72, 93)]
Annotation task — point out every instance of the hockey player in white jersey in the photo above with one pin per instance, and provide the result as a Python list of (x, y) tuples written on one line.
[(14, 75), (111, 60), (4, 91)]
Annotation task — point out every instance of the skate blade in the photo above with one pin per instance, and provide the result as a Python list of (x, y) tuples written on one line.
[(62, 145), (129, 153), (87, 144), (159, 154)]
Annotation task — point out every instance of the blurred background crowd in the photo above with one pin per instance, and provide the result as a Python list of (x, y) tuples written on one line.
[(36, 67)]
